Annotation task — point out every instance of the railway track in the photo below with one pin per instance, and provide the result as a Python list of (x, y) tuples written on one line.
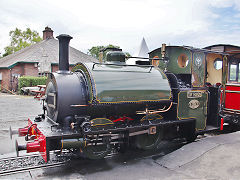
[(14, 165)]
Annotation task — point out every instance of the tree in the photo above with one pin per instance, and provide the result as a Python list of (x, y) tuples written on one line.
[(95, 50), (21, 39)]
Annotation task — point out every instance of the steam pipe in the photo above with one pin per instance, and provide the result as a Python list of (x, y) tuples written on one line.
[(64, 40)]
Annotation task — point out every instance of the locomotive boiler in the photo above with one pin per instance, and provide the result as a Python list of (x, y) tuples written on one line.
[(101, 106)]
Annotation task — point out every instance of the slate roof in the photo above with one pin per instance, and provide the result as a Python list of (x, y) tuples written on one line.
[(46, 50)]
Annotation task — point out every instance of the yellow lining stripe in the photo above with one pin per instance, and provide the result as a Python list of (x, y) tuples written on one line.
[(107, 123), (150, 119)]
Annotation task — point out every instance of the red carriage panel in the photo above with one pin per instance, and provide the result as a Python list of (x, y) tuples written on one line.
[(232, 100)]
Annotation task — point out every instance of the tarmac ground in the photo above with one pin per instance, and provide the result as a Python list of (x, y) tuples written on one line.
[(214, 157)]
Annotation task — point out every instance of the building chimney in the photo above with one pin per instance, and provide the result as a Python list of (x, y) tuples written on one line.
[(47, 33)]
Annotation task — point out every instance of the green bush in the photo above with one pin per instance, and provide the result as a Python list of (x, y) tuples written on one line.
[(30, 81)]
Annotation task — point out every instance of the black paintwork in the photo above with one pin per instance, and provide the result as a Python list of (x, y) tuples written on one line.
[(64, 51)]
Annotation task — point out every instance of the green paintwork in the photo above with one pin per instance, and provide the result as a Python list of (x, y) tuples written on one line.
[(149, 141), (96, 152), (200, 113), (121, 83), (131, 95), (115, 56), (157, 52), (198, 69), (195, 66), (129, 83), (172, 52)]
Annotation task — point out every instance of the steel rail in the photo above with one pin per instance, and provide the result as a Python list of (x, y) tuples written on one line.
[(14, 165), (62, 160)]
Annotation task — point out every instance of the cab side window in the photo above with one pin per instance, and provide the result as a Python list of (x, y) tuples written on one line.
[(234, 71)]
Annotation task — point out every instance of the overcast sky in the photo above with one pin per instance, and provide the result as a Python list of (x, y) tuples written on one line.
[(197, 23)]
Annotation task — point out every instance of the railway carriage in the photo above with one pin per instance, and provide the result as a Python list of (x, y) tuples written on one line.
[(104, 106), (230, 98)]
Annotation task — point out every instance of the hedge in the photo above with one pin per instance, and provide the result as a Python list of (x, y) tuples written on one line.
[(29, 81)]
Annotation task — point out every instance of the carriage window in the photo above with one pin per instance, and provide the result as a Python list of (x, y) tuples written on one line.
[(233, 72), (183, 60), (155, 62), (217, 64)]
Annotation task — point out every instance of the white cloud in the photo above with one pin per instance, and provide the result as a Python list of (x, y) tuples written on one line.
[(120, 22), (221, 3)]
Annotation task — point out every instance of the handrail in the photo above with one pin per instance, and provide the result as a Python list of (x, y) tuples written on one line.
[(112, 64)]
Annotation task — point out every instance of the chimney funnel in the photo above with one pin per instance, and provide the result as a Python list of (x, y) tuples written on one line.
[(47, 33), (64, 40)]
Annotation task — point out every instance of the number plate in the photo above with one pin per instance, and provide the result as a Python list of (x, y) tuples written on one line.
[(194, 94)]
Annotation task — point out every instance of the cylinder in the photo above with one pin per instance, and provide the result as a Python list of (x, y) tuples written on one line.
[(72, 143), (64, 52)]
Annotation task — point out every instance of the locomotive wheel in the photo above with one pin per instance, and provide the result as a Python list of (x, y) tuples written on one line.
[(149, 141), (234, 124), (235, 121), (96, 151), (191, 138)]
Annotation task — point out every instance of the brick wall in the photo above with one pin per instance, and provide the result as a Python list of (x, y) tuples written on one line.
[(54, 68), (30, 70), (5, 78), (21, 69), (25, 69), (18, 69)]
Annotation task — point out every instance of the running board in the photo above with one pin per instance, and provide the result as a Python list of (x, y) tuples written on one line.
[(208, 129)]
